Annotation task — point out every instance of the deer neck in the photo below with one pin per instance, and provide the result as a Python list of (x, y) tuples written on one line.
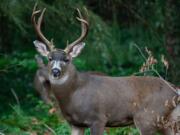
[(63, 87)]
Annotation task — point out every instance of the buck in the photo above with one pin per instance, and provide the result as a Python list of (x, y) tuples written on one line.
[(96, 102), (42, 83)]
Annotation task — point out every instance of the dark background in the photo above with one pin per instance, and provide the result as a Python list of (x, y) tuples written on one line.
[(116, 26)]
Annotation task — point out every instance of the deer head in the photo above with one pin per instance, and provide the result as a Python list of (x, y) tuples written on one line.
[(58, 59)]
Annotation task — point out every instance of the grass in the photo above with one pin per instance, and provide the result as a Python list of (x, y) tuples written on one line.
[(40, 121)]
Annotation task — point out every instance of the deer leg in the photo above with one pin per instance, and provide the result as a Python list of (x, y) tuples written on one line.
[(77, 130), (97, 128), (145, 125), (174, 120), (145, 130), (169, 132)]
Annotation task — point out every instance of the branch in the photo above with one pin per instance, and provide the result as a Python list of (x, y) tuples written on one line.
[(50, 129), (16, 97), (135, 45)]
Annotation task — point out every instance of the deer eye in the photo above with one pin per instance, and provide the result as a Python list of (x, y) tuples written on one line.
[(50, 58), (66, 60)]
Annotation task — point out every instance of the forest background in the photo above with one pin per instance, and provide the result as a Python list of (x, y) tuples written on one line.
[(120, 30)]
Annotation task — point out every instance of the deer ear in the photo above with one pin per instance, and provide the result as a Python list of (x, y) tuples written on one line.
[(76, 50), (41, 48)]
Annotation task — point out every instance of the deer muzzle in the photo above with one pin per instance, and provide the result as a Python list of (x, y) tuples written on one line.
[(56, 72)]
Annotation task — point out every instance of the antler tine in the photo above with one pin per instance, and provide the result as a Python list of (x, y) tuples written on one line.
[(37, 26), (84, 31)]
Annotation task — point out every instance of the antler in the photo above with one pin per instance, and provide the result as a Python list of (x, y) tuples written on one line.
[(37, 26), (84, 32)]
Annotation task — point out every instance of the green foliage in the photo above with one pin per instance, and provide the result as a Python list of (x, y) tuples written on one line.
[(40, 121)]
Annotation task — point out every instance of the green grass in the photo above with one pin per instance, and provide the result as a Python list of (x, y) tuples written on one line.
[(40, 121)]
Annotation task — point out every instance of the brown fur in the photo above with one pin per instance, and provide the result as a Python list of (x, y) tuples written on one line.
[(85, 98), (41, 81), (88, 100)]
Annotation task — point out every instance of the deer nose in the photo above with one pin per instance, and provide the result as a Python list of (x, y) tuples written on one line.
[(56, 72)]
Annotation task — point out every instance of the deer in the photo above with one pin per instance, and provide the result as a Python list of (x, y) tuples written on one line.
[(93, 101), (41, 81)]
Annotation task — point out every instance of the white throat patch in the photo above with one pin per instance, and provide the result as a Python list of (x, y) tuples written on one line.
[(59, 81)]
